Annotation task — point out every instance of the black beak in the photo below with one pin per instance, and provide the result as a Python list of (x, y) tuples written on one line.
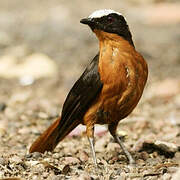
[(90, 22), (87, 21)]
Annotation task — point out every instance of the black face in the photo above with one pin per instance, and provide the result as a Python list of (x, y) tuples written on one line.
[(112, 23)]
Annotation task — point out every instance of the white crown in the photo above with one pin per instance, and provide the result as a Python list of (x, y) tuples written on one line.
[(103, 12)]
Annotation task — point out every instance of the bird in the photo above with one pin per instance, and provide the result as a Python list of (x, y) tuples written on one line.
[(109, 88)]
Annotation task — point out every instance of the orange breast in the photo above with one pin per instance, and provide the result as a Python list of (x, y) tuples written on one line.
[(123, 72)]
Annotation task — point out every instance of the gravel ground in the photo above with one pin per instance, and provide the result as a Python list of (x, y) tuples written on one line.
[(44, 49)]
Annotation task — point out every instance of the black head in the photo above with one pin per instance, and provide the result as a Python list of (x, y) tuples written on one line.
[(109, 21)]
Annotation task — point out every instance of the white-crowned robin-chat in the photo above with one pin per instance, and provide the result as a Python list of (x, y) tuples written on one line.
[(107, 91)]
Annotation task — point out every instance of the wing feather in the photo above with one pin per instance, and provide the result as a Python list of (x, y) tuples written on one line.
[(80, 97)]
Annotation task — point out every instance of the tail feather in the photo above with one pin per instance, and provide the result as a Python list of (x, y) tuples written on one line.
[(47, 141), (50, 138)]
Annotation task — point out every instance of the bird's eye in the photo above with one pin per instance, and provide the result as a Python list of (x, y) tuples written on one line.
[(110, 19)]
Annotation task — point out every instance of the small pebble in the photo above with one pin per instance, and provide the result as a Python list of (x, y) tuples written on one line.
[(26, 80), (140, 162), (122, 158), (42, 115), (71, 160), (166, 176), (84, 177), (2, 161), (144, 155), (36, 155), (83, 156), (2, 107), (56, 155), (172, 169), (54, 177), (16, 159), (31, 163), (177, 157), (176, 175), (65, 169), (166, 146), (152, 161), (122, 176)]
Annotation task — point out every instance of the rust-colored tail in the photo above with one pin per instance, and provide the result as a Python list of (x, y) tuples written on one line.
[(52, 136), (48, 140)]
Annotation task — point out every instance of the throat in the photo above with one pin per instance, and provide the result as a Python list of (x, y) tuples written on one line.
[(117, 38)]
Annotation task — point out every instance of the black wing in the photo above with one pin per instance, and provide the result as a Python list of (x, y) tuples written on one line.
[(82, 94)]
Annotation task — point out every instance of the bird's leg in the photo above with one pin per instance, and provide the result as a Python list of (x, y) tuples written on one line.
[(90, 135), (91, 142), (126, 152), (112, 129)]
